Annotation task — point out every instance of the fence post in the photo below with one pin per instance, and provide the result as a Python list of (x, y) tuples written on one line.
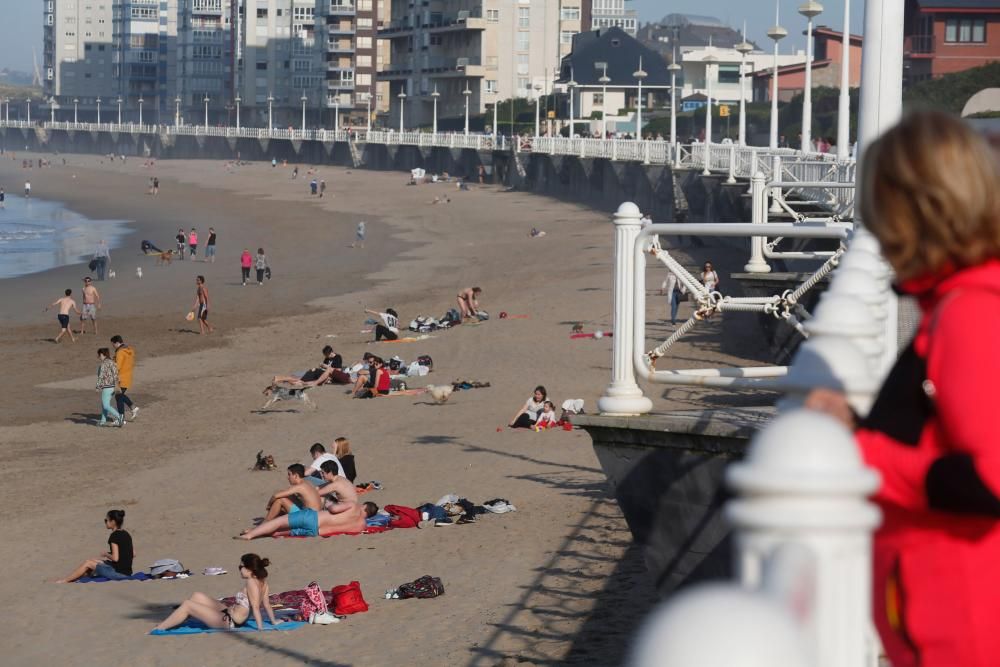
[(623, 396), (645, 150), (776, 175), (803, 485), (758, 206), (753, 167), (732, 164), (614, 149)]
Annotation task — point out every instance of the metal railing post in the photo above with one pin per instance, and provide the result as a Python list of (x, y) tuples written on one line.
[(776, 191), (645, 148), (732, 164), (758, 205)]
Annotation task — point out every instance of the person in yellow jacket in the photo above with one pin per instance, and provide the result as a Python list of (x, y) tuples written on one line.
[(125, 360)]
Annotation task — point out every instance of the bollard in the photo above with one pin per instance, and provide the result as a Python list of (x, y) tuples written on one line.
[(732, 165), (776, 190), (803, 485), (839, 317), (645, 151), (623, 396), (758, 205), (829, 362)]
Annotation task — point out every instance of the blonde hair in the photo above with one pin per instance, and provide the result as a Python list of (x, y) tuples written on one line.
[(342, 447), (929, 193)]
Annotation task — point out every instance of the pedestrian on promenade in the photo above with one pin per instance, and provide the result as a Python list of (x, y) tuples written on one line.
[(210, 246), (91, 304), (313, 185), (64, 304), (676, 291), (107, 381), (201, 306), (125, 361), (156, 185), (102, 259), (322, 188), (3, 197), (27, 189), (709, 278), (246, 261)]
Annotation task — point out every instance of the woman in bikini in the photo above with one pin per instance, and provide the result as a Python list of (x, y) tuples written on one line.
[(214, 614)]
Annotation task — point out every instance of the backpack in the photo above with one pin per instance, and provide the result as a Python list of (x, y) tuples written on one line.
[(424, 587), (348, 599), (395, 364), (402, 517), (425, 360)]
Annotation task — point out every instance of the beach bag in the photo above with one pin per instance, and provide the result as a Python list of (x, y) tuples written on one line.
[(166, 566), (425, 360), (424, 587), (267, 272), (348, 599), (314, 602), (92, 265), (395, 364), (402, 517)]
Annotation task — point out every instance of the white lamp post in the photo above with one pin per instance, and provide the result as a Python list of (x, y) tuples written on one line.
[(369, 107), (52, 109), (98, 110), (336, 112), (6, 108), (709, 61), (639, 74), (270, 113), (402, 105), (237, 102), (674, 68), (434, 100), (177, 111), (777, 33), (844, 101), (744, 48), (571, 86), (604, 81), (303, 99), (140, 110), (206, 101), (29, 110), (76, 106), (467, 93), (810, 10), (119, 101), (538, 99)]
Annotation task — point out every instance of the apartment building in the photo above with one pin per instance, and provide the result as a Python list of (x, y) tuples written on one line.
[(495, 49), (612, 14), (145, 41), (207, 48), (79, 58)]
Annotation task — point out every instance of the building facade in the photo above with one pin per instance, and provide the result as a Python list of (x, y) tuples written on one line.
[(724, 72), (947, 36), (828, 58), (495, 49), (79, 55), (612, 14), (207, 48)]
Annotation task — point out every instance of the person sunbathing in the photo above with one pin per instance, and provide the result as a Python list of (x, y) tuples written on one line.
[(330, 370), (339, 493), (214, 614), (310, 523), (301, 495)]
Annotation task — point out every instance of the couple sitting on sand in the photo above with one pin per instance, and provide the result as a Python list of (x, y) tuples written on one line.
[(331, 369), (307, 511)]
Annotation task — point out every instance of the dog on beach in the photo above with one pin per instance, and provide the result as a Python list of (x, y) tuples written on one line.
[(280, 393), (578, 328), (264, 462), (440, 393), (138, 272), (165, 257), (112, 274)]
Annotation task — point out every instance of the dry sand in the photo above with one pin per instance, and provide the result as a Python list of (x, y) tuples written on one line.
[(557, 581)]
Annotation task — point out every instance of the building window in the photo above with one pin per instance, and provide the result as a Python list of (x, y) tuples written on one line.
[(364, 23), (363, 5), (364, 61), (262, 66), (729, 73), (493, 16), (598, 99), (491, 86), (524, 17), (566, 36), (363, 79), (523, 41), (570, 14), (965, 30), (523, 83), (262, 12), (364, 42)]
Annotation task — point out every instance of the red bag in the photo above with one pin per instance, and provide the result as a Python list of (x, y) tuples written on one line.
[(348, 599), (402, 517)]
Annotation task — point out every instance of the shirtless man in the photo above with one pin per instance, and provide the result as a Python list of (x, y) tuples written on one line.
[(338, 486), (297, 497), (308, 523), (201, 306), (65, 305), (91, 304), (468, 301)]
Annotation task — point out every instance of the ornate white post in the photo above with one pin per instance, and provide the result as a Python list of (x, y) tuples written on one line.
[(758, 205), (402, 105), (571, 87), (177, 111), (29, 110), (467, 93), (844, 101), (270, 113), (98, 110), (777, 33), (140, 111), (238, 102), (803, 486), (776, 175), (674, 68), (302, 99), (604, 81), (206, 101), (336, 113), (119, 100), (623, 396), (709, 60), (434, 99), (732, 165), (76, 105), (810, 10), (538, 99), (639, 75)]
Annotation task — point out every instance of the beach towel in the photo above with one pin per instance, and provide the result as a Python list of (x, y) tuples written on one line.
[(138, 576), (193, 627)]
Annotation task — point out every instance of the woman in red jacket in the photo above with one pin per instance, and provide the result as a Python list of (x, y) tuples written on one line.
[(931, 195)]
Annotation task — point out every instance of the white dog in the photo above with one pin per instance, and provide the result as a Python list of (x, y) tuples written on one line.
[(440, 393), (138, 272), (111, 274)]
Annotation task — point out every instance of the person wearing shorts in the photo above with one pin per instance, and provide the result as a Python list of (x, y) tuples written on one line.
[(201, 306), (303, 523), (210, 246), (91, 302), (65, 304)]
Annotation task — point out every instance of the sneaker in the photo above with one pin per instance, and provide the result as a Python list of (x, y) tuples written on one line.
[(120, 421), (323, 618), (440, 523), (466, 518), (102, 422), (135, 412)]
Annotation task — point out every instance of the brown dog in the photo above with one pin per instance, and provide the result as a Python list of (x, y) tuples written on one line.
[(165, 257)]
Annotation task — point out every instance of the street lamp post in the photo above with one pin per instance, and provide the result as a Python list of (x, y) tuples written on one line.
[(98, 110), (639, 74), (777, 33), (52, 109), (674, 69), (538, 99), (119, 101), (369, 107), (402, 105), (709, 60), (467, 93), (76, 106), (238, 101), (744, 48), (29, 110), (810, 10), (140, 110), (270, 114), (844, 102), (434, 101), (177, 111), (206, 101), (336, 112), (571, 86), (604, 81), (303, 99)]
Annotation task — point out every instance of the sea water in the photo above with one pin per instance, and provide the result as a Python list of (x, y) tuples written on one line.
[(38, 235)]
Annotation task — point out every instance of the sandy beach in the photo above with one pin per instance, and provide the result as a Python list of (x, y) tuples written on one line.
[(556, 582)]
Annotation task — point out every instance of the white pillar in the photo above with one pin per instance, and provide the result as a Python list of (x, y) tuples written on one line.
[(467, 93), (732, 165), (803, 487), (844, 101), (810, 9), (776, 172), (758, 205), (708, 114), (623, 396), (777, 33)]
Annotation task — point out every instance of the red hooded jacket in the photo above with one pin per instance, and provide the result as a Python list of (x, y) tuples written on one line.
[(934, 435)]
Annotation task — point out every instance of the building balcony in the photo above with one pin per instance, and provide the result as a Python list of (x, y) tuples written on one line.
[(340, 46), (463, 20), (334, 67), (437, 66), (918, 45), (341, 10), (339, 84), (337, 30)]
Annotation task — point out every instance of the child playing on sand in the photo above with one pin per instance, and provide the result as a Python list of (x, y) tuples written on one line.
[(65, 304), (547, 418), (193, 242)]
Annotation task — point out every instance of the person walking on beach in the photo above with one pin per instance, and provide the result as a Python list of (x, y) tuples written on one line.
[(91, 302), (322, 188), (107, 382), (193, 243), (125, 360), (65, 304), (27, 189), (156, 185), (313, 187), (201, 304), (260, 263), (102, 259), (359, 240), (246, 261), (2, 198), (210, 246), (181, 242)]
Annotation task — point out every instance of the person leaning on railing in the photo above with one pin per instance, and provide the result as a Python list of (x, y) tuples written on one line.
[(930, 196)]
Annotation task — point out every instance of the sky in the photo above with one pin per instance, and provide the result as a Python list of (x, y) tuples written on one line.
[(21, 25)]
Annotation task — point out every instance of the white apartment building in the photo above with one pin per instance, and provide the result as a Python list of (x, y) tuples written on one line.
[(207, 48), (495, 49), (79, 58), (612, 14), (725, 72)]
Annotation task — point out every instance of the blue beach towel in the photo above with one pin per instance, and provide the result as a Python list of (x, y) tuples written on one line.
[(193, 627), (138, 576)]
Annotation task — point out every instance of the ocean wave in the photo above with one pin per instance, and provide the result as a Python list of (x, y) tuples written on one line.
[(22, 231)]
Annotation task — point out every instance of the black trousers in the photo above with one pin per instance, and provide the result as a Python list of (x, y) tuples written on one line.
[(383, 332), (523, 420), (122, 400)]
